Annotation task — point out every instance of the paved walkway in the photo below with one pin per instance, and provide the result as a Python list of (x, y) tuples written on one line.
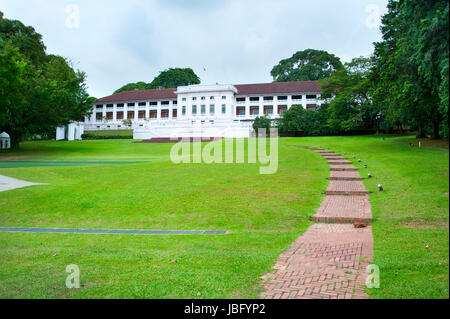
[(112, 231), (7, 183), (329, 260)]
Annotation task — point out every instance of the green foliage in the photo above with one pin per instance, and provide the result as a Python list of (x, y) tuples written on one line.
[(89, 136), (37, 91), (349, 92), (307, 65), (411, 73), (298, 121), (262, 122), (127, 122), (175, 77), (171, 78)]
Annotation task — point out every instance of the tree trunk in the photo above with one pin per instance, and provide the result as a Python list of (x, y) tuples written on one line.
[(400, 126), (15, 139), (421, 133), (435, 127)]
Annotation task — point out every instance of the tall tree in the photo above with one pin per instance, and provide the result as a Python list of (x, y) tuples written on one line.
[(412, 63), (170, 78), (36, 93), (348, 92), (306, 65), (175, 77), (134, 87), (298, 121)]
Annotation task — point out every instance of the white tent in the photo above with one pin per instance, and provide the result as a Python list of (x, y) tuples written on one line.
[(5, 141)]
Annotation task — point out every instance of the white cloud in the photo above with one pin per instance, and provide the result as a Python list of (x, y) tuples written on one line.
[(237, 41)]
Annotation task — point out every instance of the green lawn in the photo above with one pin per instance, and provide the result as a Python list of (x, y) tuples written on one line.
[(265, 213), (111, 132)]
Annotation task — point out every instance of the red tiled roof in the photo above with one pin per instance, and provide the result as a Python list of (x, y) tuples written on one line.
[(279, 87), (243, 89), (140, 95)]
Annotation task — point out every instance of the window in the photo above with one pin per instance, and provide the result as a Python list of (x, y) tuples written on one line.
[(130, 104), (109, 105), (312, 96), (142, 103), (194, 109), (268, 98), (194, 98), (224, 97), (175, 102), (120, 105), (296, 97), (183, 110), (165, 103), (203, 98), (183, 99), (282, 98), (211, 97), (153, 103), (203, 109), (99, 106), (253, 99), (224, 108), (211, 109), (240, 99)]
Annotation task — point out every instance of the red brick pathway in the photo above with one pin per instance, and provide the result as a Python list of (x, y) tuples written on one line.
[(329, 260)]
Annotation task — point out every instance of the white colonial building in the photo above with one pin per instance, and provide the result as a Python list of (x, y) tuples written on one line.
[(199, 110)]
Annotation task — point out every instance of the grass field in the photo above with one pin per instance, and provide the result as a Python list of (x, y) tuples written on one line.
[(111, 132), (264, 213)]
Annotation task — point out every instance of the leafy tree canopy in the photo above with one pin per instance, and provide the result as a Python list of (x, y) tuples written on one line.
[(411, 71), (262, 122), (37, 91), (170, 78), (307, 65), (348, 93)]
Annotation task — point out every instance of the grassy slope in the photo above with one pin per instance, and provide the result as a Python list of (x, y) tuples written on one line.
[(411, 213), (265, 213)]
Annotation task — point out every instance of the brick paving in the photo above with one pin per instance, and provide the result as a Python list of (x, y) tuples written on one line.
[(346, 188), (344, 176), (344, 209), (329, 260)]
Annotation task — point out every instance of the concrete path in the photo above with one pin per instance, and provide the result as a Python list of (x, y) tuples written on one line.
[(8, 183), (329, 260), (112, 231)]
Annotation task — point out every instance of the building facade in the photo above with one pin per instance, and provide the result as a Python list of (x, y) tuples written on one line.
[(199, 110)]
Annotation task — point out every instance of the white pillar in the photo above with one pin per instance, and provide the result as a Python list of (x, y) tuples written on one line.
[(158, 110)]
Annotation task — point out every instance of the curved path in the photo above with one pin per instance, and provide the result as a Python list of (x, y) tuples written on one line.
[(329, 260)]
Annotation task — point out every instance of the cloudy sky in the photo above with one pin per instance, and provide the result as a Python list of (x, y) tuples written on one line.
[(237, 41)]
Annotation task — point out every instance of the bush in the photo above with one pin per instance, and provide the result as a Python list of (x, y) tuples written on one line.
[(89, 136)]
